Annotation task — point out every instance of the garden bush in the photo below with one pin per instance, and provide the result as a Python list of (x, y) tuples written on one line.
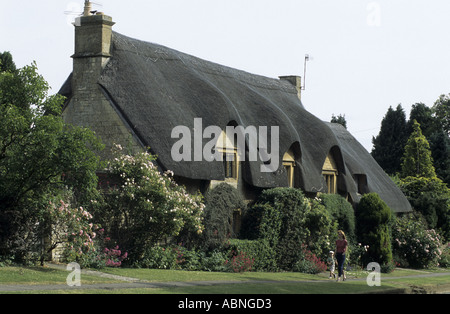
[(286, 219), (322, 229), (259, 251), (413, 244), (309, 263), (180, 257), (292, 206), (373, 226), (430, 197), (262, 221), (342, 212), (143, 206), (444, 261), (220, 203)]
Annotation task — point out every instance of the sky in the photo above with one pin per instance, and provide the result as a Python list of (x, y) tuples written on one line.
[(365, 55)]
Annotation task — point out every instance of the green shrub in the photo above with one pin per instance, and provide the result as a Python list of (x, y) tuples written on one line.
[(430, 197), (144, 207), (262, 221), (444, 261), (373, 222), (322, 230), (220, 202), (181, 258), (288, 220), (415, 246), (158, 257), (263, 255), (292, 206), (213, 261), (341, 212), (309, 263)]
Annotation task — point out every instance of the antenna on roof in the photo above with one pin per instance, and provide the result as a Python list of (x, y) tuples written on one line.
[(74, 9), (307, 58), (88, 8)]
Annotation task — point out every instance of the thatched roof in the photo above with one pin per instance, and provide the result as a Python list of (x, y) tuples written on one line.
[(156, 89)]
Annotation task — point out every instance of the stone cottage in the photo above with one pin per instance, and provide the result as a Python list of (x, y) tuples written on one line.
[(136, 93)]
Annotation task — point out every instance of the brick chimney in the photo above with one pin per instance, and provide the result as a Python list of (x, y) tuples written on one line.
[(88, 106), (93, 35)]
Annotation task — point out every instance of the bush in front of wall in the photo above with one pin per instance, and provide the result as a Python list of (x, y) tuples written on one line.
[(341, 212), (221, 202), (263, 256), (291, 206), (373, 221)]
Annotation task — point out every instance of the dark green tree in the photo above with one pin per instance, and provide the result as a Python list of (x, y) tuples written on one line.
[(440, 151), (373, 225), (441, 111), (424, 116), (440, 139), (417, 160), (40, 156), (339, 119), (6, 62), (388, 145)]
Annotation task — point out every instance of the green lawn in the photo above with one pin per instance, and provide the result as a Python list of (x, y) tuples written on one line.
[(283, 282)]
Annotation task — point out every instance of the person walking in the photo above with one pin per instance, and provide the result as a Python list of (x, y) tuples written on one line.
[(341, 248)]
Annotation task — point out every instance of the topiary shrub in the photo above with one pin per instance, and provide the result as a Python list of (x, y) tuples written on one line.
[(373, 224), (220, 203), (292, 206)]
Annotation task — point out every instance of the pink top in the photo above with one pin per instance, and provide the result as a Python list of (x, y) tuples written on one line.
[(341, 246)]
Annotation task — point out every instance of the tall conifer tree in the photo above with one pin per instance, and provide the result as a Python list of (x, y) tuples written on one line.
[(417, 160), (388, 145)]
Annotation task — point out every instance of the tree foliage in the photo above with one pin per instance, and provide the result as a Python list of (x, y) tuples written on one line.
[(39, 156), (340, 119), (417, 160), (388, 145), (431, 198), (6, 62), (290, 223), (373, 225)]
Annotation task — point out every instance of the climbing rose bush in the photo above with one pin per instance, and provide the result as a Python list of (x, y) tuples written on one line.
[(73, 231), (144, 206)]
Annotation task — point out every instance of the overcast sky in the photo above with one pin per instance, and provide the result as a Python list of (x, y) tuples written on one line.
[(367, 55)]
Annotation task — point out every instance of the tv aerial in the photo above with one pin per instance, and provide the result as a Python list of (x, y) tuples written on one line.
[(75, 9), (307, 58)]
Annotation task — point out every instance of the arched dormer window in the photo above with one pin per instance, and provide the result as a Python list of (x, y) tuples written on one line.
[(290, 159), (289, 164), (330, 174), (228, 149)]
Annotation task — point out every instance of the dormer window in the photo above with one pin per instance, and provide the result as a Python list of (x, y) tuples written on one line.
[(230, 164), (289, 164), (330, 174), (230, 156)]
